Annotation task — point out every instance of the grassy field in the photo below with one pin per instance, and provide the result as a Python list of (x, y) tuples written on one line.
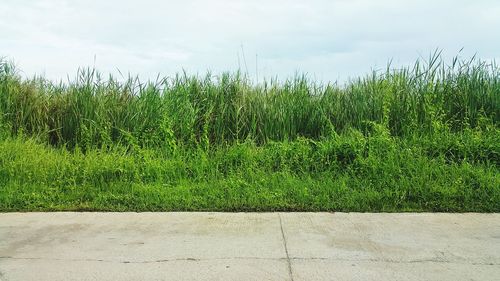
[(421, 138)]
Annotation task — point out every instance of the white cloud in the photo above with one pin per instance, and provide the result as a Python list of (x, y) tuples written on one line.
[(327, 39)]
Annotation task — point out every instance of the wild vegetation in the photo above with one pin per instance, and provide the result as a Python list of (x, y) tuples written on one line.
[(420, 138)]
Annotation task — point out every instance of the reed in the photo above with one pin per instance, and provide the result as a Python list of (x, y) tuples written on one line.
[(420, 138), (222, 110)]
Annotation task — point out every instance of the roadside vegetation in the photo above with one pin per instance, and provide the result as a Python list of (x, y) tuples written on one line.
[(421, 138)]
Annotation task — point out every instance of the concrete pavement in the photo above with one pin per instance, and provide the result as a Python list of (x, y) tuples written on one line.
[(249, 246)]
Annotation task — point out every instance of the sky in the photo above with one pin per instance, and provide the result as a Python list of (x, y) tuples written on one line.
[(328, 40)]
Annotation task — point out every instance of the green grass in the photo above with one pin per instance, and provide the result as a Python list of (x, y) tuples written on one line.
[(423, 138)]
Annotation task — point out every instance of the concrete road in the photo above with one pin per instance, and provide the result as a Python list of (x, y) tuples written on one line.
[(249, 246)]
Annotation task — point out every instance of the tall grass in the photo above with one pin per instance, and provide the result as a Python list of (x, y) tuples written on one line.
[(419, 138), (220, 110)]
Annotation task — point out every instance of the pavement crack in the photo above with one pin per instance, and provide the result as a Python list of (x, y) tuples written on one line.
[(430, 260), (139, 262), (288, 259), (163, 260), (286, 249)]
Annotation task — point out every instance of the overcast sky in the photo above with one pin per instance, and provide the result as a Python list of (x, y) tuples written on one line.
[(327, 39)]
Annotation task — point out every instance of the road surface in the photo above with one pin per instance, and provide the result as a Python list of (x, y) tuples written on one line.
[(249, 246)]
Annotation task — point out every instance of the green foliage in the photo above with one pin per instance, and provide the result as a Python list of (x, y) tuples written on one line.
[(350, 172), (214, 111), (424, 138)]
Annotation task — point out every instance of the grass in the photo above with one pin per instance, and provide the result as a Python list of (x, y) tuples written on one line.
[(422, 138)]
